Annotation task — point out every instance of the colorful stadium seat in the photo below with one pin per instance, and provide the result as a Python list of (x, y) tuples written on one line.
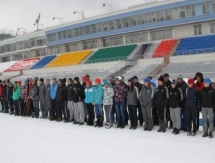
[(43, 62), (22, 65), (68, 59), (111, 54), (196, 45), (164, 48)]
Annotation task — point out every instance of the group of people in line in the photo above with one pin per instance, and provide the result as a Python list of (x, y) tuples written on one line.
[(166, 103)]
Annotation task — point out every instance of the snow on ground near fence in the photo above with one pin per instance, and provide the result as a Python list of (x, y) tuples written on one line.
[(41, 141)]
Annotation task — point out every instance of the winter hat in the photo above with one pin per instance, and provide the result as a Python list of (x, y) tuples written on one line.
[(70, 79), (64, 80), (207, 80), (166, 75), (97, 80), (174, 81), (60, 80), (106, 82), (191, 81), (88, 82), (180, 77), (0, 81), (19, 82), (54, 79), (8, 81), (146, 80), (135, 77), (161, 79), (47, 80), (76, 79), (200, 75), (130, 80), (41, 79), (84, 78), (119, 78)]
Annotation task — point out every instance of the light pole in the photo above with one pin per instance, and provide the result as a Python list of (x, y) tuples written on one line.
[(110, 6), (81, 13), (23, 29), (42, 25), (61, 19)]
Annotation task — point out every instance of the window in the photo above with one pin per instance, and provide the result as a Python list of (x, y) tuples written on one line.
[(71, 47), (136, 38), (182, 12), (152, 17), (27, 55), (206, 8), (160, 35), (90, 44), (212, 27), (197, 29), (126, 22), (17, 57), (190, 10), (133, 21), (56, 49), (6, 59), (213, 6), (112, 41), (40, 52), (168, 14), (160, 16)]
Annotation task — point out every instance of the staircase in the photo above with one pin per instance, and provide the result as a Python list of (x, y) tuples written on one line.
[(151, 50), (160, 67)]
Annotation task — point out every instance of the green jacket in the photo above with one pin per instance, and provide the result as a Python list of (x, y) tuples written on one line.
[(17, 93)]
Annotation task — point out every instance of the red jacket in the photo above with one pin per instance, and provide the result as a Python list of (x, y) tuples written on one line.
[(199, 86), (0, 90)]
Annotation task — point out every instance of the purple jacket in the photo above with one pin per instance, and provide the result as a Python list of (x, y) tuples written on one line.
[(120, 93)]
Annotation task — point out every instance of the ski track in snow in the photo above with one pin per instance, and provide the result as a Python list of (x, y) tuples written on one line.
[(27, 140)]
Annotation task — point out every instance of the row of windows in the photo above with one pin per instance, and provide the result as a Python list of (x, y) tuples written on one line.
[(22, 45), (170, 14)]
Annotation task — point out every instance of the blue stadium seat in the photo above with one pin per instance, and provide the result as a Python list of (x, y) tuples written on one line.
[(43, 62)]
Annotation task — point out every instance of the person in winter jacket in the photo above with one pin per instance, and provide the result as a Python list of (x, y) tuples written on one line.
[(42, 95), (132, 100), (70, 103), (60, 99), (191, 107), (48, 98), (167, 84), (88, 101), (34, 95), (53, 91), (207, 102), (4, 97), (23, 99), (175, 97), (120, 94), (161, 97), (10, 97), (78, 98), (108, 102), (16, 98), (139, 87), (1, 99), (199, 84), (146, 96), (98, 102), (183, 86)]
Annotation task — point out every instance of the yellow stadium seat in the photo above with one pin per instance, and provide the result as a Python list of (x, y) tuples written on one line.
[(68, 59)]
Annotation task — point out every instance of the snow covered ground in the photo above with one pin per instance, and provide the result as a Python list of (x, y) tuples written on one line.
[(41, 141)]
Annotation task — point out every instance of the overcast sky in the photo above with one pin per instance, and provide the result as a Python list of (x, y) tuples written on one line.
[(23, 13)]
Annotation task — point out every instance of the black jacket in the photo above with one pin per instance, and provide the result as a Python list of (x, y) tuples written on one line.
[(191, 98), (61, 93), (139, 86), (4, 92), (69, 93), (34, 92), (183, 86), (78, 93), (10, 93), (175, 97), (207, 98), (161, 96), (168, 85)]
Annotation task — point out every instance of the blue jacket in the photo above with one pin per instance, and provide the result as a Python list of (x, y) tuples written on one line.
[(88, 95), (98, 92), (191, 101), (53, 91)]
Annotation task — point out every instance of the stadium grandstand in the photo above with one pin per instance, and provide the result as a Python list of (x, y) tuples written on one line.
[(173, 36)]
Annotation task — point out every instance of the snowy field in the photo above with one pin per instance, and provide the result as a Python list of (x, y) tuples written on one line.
[(41, 141)]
